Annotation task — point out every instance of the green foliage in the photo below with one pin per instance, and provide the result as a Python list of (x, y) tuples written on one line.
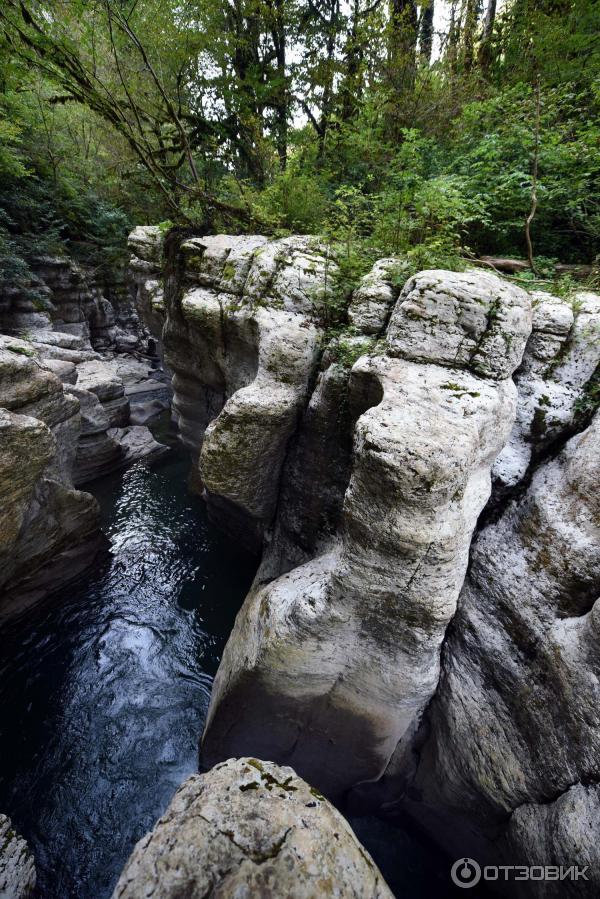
[(346, 348), (492, 153), (40, 218), (341, 276), (283, 117), (294, 202), (590, 401), (20, 350), (49, 183), (11, 161), (15, 273)]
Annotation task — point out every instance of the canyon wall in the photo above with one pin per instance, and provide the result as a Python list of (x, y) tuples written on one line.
[(76, 389), (331, 664), (506, 762), (451, 418), (48, 530), (70, 298)]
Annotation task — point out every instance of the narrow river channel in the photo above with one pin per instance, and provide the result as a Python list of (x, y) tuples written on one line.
[(104, 691)]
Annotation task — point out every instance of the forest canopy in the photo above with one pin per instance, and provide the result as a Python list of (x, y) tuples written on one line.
[(431, 130)]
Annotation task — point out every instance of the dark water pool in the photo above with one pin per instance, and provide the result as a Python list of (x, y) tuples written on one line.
[(104, 691), (103, 695)]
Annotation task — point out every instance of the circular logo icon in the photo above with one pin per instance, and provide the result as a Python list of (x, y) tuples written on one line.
[(465, 873)]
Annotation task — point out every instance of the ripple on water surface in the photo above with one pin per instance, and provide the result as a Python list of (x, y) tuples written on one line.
[(104, 692)]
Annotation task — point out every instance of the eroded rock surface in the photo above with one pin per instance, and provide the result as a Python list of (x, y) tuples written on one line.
[(69, 298), (250, 828), (241, 341), (387, 583), (17, 866), (560, 366), (363, 466), (44, 521), (471, 320), (509, 761), (65, 417)]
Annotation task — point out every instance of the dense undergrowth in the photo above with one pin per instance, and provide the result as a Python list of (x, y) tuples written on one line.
[(372, 133)]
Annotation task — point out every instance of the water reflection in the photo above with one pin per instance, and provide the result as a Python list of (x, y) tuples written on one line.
[(104, 693)]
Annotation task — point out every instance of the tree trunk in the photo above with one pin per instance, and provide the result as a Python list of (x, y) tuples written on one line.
[(351, 87), (517, 266), (402, 61), (534, 177), (332, 27), (281, 98), (453, 38), (403, 43), (485, 51), (470, 28), (248, 110), (426, 34)]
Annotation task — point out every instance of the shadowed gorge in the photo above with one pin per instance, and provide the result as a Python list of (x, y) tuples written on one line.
[(99, 733)]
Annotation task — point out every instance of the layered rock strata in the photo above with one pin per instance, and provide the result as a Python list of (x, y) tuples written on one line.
[(71, 299), (242, 344), (44, 522), (66, 418), (250, 828)]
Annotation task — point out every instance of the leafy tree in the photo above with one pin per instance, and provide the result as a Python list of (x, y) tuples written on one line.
[(358, 121)]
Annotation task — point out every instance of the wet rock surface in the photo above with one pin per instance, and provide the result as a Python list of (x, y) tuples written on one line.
[(250, 828)]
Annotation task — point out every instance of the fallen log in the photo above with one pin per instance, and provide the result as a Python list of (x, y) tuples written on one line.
[(517, 266), (504, 264), (578, 271)]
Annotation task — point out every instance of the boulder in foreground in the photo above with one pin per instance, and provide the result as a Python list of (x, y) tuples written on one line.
[(250, 829)]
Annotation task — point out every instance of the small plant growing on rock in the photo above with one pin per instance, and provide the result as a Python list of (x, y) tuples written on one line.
[(20, 350)]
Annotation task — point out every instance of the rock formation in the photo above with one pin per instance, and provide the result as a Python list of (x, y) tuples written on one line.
[(242, 346), (508, 757), (145, 274), (560, 361), (250, 828), (17, 867), (66, 418), (45, 524), (437, 405), (361, 465), (71, 299)]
